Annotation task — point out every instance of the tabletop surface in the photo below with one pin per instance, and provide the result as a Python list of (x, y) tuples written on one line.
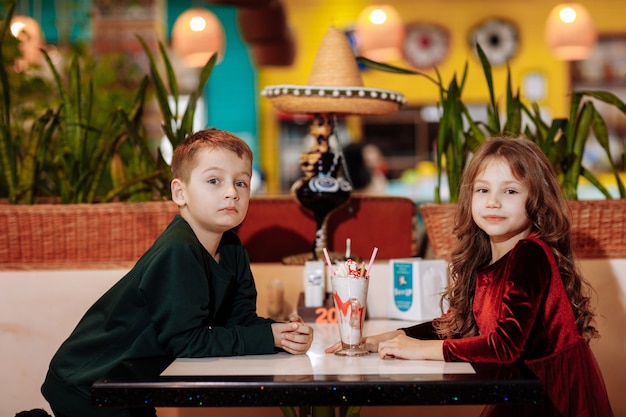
[(314, 379)]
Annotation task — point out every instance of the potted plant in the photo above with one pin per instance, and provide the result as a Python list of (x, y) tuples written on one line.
[(64, 154), (596, 230), (62, 149)]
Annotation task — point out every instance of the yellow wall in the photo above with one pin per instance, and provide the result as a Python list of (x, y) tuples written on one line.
[(310, 20)]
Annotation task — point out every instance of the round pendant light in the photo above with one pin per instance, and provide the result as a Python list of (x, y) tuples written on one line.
[(570, 32), (197, 34), (379, 33), (27, 31)]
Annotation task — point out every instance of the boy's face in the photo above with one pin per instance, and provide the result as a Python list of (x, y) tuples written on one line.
[(215, 197)]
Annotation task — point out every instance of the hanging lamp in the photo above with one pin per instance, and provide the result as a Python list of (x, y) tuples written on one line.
[(379, 33), (28, 32), (570, 32), (197, 34)]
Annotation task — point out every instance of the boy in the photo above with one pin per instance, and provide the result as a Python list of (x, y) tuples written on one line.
[(190, 295)]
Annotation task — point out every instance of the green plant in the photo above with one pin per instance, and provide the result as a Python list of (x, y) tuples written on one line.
[(176, 124), (61, 148), (77, 147), (82, 149), (563, 140), (22, 144)]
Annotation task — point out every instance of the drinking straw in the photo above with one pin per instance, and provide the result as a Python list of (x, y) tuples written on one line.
[(330, 264), (374, 252), (348, 242)]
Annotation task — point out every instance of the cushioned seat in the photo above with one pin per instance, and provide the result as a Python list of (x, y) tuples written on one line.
[(278, 227)]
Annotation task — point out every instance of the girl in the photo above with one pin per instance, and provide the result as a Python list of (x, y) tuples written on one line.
[(515, 293)]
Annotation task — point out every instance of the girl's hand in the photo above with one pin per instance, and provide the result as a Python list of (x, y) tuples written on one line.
[(405, 347), (371, 342), (334, 348)]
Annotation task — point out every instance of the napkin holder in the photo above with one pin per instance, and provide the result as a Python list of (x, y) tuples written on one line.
[(416, 287)]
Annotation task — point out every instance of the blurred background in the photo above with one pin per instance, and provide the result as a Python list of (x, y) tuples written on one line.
[(268, 42)]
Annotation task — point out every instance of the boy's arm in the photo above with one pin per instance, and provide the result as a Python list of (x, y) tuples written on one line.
[(244, 310), (176, 290)]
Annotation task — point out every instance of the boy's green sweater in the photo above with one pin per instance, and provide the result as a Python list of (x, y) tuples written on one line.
[(176, 301)]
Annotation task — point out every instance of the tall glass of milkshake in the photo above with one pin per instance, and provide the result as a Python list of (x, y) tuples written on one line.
[(349, 285)]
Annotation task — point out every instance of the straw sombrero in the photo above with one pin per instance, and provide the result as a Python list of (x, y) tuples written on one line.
[(334, 85)]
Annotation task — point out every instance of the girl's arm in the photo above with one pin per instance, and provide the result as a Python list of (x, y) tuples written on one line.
[(424, 331)]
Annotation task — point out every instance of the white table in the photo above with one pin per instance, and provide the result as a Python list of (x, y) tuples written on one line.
[(318, 380), (316, 362)]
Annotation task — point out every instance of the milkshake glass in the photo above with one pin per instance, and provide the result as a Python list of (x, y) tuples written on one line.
[(349, 295)]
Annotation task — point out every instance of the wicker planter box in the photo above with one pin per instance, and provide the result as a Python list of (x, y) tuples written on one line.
[(85, 236), (65, 235), (598, 228)]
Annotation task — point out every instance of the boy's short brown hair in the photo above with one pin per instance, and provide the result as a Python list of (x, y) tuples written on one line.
[(183, 160)]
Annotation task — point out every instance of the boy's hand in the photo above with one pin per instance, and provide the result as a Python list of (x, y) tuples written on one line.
[(294, 337)]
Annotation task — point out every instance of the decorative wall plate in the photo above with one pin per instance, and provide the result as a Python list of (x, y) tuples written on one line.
[(425, 44), (498, 38)]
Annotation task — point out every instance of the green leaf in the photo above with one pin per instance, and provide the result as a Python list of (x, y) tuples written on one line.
[(446, 126), (541, 128), (106, 143), (161, 93), (186, 125), (5, 24), (601, 133), (576, 149), (548, 146), (122, 188), (596, 183), (171, 77), (393, 69), (573, 116), (29, 169), (463, 78), (477, 136), (73, 109), (8, 161), (442, 90), (606, 97), (513, 124), (493, 112), (457, 145)]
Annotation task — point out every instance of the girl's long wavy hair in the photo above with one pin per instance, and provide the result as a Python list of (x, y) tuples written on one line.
[(550, 216)]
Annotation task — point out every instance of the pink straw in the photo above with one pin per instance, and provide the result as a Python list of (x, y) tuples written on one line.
[(330, 264), (367, 271)]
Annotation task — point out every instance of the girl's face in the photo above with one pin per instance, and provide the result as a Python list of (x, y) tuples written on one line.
[(499, 205), (216, 196)]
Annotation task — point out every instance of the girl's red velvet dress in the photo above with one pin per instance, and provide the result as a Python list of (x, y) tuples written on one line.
[(523, 314)]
